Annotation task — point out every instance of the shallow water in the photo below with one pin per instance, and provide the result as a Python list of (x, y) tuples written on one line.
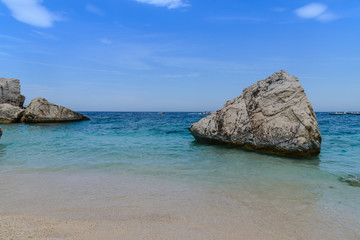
[(160, 147)]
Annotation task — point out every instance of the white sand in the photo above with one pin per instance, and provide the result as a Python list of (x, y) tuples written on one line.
[(93, 206)]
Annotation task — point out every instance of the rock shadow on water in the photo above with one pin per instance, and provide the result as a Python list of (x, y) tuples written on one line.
[(161, 131), (176, 131), (311, 161), (52, 126)]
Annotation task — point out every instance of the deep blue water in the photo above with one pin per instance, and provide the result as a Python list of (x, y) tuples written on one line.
[(160, 145)]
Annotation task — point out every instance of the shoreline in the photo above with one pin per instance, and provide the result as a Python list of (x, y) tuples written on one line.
[(95, 206)]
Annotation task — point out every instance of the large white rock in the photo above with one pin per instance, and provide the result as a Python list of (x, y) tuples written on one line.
[(273, 115), (10, 92), (42, 111), (10, 113)]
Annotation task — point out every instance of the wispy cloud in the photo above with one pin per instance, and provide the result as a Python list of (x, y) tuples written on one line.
[(279, 9), (153, 57), (167, 3), (4, 54), (11, 38), (74, 67), (93, 9), (328, 16), (31, 12), (44, 35), (234, 18), (318, 11), (198, 63), (105, 41), (189, 75)]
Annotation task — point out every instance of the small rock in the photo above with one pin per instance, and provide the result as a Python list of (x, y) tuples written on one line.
[(352, 180)]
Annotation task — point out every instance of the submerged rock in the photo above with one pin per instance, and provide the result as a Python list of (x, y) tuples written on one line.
[(10, 92), (10, 113), (273, 115), (42, 111), (352, 180)]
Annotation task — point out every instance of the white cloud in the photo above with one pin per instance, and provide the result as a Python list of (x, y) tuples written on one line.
[(93, 9), (311, 10), (166, 3), (31, 12), (316, 11)]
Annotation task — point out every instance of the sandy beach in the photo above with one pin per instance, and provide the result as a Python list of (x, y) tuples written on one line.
[(93, 206)]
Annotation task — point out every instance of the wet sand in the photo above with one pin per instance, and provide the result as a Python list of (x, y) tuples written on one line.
[(100, 206)]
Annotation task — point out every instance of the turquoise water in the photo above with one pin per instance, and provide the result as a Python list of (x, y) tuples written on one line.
[(154, 147), (161, 146)]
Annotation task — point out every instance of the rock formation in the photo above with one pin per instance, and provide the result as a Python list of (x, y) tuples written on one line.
[(273, 115), (10, 113), (10, 92), (39, 110), (42, 111)]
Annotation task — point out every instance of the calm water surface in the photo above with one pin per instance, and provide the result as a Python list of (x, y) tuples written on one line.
[(113, 146), (160, 146)]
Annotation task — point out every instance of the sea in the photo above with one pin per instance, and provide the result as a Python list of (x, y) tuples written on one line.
[(159, 147)]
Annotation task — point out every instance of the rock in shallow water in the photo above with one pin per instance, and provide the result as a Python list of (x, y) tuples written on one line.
[(352, 180), (42, 111), (10, 113), (273, 115)]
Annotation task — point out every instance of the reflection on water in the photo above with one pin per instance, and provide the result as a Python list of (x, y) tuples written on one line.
[(312, 162), (2, 151)]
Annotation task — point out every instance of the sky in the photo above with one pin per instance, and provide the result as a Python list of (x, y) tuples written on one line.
[(178, 55)]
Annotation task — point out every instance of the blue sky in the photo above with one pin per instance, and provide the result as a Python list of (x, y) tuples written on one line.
[(178, 55)]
